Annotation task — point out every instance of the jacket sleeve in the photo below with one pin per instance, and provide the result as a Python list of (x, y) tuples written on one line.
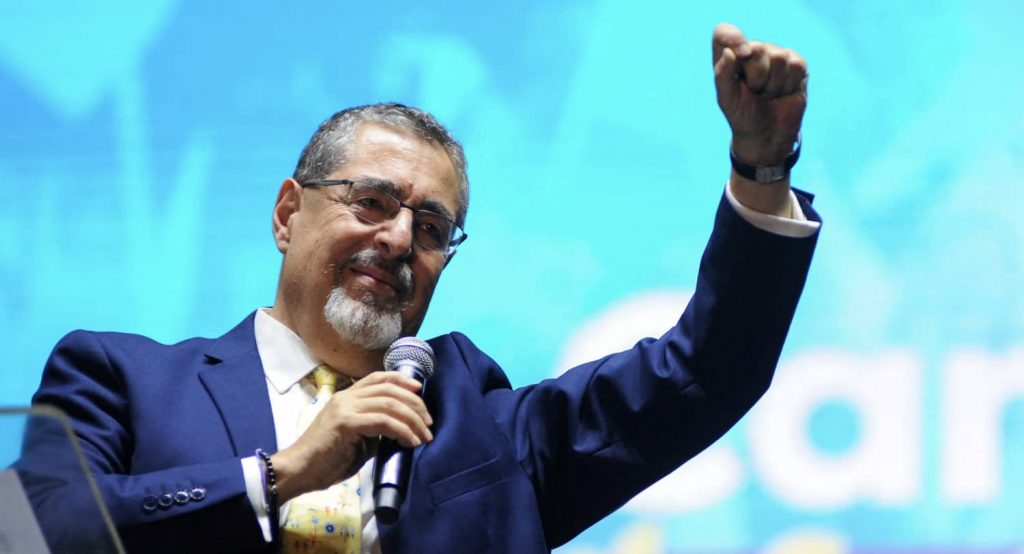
[(599, 434), (195, 507)]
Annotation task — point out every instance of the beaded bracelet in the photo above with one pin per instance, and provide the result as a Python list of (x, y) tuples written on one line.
[(269, 490)]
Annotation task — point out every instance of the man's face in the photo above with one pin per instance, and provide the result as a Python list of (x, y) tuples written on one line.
[(370, 274)]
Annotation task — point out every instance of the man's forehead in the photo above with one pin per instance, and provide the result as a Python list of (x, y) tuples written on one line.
[(382, 139), (412, 164)]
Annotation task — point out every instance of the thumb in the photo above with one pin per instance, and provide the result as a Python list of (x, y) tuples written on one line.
[(727, 83), (727, 35)]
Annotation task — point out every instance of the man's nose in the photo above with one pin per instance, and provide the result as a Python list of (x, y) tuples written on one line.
[(395, 236)]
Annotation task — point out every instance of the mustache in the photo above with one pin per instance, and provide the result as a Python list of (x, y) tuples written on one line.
[(400, 270)]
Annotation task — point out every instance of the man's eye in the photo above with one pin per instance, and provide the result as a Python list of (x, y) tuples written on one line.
[(431, 231), (370, 203)]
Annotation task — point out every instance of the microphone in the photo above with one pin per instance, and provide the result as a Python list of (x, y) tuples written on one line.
[(415, 359)]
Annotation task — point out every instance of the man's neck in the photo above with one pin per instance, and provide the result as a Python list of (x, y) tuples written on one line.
[(328, 348)]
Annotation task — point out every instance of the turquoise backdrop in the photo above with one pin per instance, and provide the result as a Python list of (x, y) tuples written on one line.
[(142, 145)]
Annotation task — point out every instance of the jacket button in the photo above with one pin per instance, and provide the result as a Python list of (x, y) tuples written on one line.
[(149, 504), (197, 494), (166, 500), (181, 497)]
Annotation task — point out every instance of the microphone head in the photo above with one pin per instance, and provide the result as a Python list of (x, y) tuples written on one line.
[(412, 349)]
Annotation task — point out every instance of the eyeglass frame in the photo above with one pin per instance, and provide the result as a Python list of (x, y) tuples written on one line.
[(453, 241)]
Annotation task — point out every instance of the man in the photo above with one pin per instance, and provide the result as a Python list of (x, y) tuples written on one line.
[(366, 225)]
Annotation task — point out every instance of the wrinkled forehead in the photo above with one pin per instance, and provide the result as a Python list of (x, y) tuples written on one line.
[(414, 168)]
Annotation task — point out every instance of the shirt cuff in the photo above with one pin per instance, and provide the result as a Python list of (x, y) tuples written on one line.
[(257, 497), (797, 226)]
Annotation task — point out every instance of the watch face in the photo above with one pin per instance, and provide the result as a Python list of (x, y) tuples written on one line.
[(770, 174)]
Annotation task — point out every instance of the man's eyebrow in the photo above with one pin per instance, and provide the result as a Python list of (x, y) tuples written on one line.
[(389, 186), (385, 185), (436, 207)]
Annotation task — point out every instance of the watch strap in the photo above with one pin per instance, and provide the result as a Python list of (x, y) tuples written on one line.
[(767, 174)]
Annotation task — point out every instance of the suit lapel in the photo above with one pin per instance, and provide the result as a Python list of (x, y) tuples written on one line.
[(235, 381)]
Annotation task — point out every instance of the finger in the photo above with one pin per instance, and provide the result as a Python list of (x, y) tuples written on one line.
[(380, 425), (778, 71), (796, 75), (755, 68), (387, 391), (412, 415), (727, 35), (390, 377), (393, 421)]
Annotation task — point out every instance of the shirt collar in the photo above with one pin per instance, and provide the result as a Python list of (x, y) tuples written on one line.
[(285, 358)]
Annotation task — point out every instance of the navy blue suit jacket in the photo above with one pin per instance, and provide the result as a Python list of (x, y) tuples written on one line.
[(509, 470)]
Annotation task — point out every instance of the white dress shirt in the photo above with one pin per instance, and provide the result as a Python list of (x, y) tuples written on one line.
[(287, 364)]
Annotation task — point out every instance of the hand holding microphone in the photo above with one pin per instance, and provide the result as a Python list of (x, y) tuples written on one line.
[(414, 359), (386, 404)]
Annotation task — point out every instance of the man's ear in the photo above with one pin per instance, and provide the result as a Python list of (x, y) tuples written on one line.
[(289, 201)]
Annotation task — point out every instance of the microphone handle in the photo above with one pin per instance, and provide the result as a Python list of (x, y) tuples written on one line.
[(391, 468)]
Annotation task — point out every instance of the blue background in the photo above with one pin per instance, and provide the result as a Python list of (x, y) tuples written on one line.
[(143, 144)]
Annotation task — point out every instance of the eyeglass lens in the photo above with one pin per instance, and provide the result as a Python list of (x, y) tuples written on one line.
[(431, 231)]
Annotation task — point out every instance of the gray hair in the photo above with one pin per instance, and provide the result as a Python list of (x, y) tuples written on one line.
[(329, 147)]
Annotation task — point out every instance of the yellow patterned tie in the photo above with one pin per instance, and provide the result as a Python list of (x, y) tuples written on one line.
[(325, 521)]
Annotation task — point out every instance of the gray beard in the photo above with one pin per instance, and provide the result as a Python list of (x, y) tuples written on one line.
[(360, 322)]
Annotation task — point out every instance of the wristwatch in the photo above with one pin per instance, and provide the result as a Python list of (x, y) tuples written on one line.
[(767, 174)]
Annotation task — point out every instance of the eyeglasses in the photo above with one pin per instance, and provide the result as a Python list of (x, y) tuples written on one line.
[(372, 204)]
